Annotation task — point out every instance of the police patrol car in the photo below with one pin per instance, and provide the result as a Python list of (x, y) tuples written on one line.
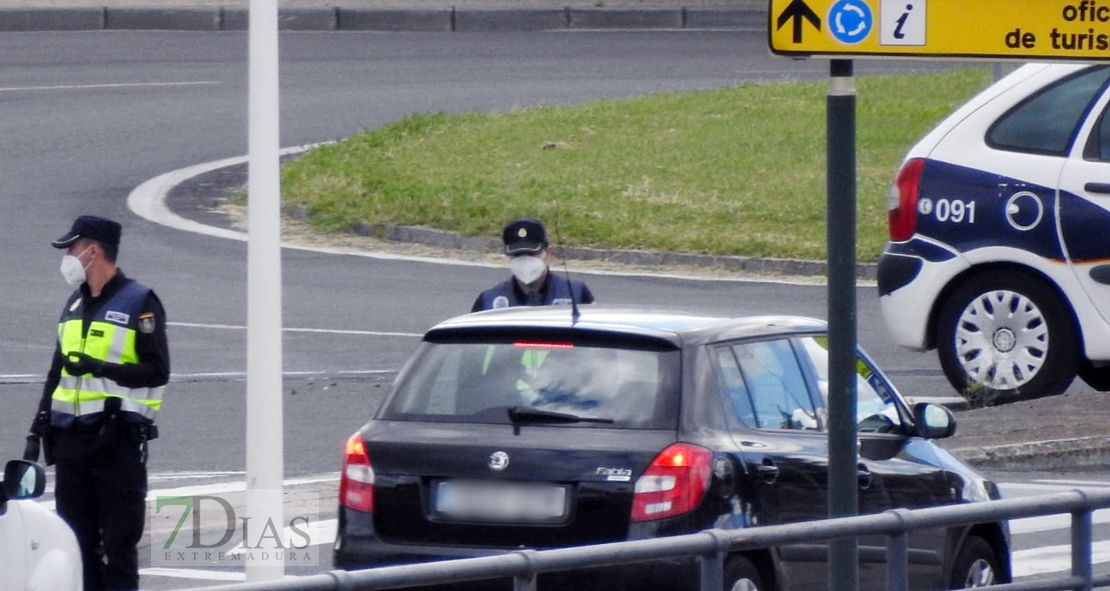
[(37, 548), (999, 252)]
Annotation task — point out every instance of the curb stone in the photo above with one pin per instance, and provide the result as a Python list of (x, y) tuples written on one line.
[(1048, 456), (426, 19), (199, 195), (442, 239)]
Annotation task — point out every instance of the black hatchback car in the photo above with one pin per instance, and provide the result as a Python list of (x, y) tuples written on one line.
[(526, 427)]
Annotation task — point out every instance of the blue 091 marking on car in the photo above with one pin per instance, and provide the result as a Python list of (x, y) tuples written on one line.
[(983, 205)]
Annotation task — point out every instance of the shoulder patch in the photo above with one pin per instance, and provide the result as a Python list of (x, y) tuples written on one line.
[(146, 323)]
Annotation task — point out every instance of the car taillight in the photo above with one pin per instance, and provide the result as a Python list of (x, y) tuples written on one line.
[(902, 201), (356, 484), (673, 484)]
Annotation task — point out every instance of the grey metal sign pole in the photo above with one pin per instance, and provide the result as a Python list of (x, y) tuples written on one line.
[(840, 140), (265, 428)]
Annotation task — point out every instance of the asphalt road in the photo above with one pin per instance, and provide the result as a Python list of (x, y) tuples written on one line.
[(90, 116)]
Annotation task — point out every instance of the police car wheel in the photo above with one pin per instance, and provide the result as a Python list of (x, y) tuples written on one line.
[(1006, 333)]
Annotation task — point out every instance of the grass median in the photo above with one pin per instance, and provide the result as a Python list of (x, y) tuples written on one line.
[(731, 171)]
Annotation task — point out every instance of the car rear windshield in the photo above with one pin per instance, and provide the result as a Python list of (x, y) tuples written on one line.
[(634, 388)]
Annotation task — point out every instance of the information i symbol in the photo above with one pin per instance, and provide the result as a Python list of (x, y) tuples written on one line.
[(902, 22), (898, 34)]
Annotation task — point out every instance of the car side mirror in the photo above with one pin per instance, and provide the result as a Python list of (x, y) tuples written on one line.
[(22, 480), (933, 421)]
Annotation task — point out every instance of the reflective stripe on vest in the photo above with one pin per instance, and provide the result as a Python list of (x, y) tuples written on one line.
[(110, 342)]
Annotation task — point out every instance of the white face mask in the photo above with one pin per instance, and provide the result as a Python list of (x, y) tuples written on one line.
[(527, 269), (73, 270)]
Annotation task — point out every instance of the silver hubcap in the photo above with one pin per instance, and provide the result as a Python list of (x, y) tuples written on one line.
[(979, 575), (1004, 340), (1001, 340)]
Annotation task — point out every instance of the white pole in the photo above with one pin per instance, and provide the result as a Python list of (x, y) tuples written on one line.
[(265, 434)]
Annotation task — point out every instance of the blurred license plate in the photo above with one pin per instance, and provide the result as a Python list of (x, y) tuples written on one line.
[(502, 501)]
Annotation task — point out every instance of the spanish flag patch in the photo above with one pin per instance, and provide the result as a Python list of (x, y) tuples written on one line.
[(146, 323)]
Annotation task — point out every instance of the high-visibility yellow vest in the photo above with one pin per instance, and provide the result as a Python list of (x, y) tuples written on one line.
[(110, 338)]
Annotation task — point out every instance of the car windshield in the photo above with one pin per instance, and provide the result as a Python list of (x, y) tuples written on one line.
[(876, 402), (481, 382)]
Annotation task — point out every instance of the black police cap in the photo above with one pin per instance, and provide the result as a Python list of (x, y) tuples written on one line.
[(91, 227), (524, 236)]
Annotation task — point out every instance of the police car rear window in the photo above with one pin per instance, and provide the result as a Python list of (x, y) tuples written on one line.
[(479, 382), (1046, 122)]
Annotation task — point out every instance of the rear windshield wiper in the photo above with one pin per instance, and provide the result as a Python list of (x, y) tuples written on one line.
[(523, 414)]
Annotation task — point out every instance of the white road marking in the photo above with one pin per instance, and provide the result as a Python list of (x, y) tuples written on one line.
[(1013, 488), (208, 574), (148, 201), (121, 85), (20, 378), (193, 475), (322, 533), (235, 486), (229, 376), (1028, 525), (220, 488), (1053, 559), (376, 333), (1070, 484)]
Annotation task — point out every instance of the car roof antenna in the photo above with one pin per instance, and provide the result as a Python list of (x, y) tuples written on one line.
[(574, 313)]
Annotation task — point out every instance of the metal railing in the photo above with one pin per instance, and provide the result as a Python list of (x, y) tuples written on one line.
[(713, 546)]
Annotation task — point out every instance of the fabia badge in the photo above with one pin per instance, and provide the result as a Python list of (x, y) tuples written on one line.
[(498, 461)]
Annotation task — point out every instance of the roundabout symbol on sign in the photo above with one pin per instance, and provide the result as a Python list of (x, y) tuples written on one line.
[(850, 21)]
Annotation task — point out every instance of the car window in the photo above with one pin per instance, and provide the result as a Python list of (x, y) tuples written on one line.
[(1098, 145), (478, 382), (731, 381), (876, 405), (764, 386), (1045, 123)]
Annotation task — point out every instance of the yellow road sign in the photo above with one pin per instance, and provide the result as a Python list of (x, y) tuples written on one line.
[(996, 29)]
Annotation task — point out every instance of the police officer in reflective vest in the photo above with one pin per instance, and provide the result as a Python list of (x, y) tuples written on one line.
[(532, 284), (99, 405)]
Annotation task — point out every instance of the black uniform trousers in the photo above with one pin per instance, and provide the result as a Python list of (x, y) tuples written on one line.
[(100, 491)]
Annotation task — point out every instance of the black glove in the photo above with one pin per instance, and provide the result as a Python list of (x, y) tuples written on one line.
[(41, 425), (79, 364), (31, 451)]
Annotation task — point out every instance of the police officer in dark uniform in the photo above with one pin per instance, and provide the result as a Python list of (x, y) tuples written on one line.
[(532, 283), (98, 407)]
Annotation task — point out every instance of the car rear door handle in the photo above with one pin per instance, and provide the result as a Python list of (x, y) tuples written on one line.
[(1097, 188), (768, 471), (864, 476)]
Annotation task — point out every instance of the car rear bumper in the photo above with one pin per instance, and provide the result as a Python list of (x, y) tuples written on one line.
[(669, 575), (911, 276), (358, 547)]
